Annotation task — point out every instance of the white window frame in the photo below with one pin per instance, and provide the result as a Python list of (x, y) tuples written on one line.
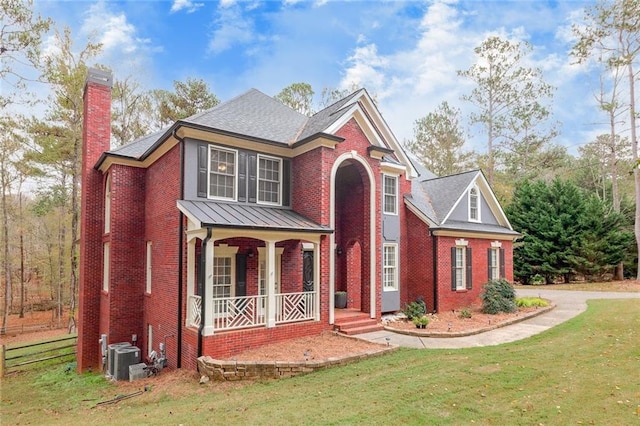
[(106, 261), (235, 174), (494, 261), (385, 194), (224, 251), (474, 189), (389, 270), (258, 179), (148, 267), (107, 205), (461, 268)]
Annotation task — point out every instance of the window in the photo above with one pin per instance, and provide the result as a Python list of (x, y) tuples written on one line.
[(222, 173), (107, 205), (474, 205), (390, 267), (148, 273), (105, 266), (494, 268), (495, 258), (269, 173), (461, 262), (390, 194), (222, 277)]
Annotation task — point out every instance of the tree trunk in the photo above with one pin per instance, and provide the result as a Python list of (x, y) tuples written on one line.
[(7, 260)]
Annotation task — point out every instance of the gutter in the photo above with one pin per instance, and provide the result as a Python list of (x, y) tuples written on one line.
[(435, 273), (180, 254), (201, 287)]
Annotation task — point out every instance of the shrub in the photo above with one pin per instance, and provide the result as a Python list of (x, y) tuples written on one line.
[(529, 302), (465, 313), (421, 320), (414, 310), (498, 296)]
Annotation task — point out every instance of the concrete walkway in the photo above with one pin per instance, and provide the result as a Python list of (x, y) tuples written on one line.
[(568, 305)]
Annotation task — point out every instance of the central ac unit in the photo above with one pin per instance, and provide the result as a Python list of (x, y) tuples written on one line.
[(125, 356), (111, 356)]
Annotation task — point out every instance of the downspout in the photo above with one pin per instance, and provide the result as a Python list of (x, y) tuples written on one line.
[(202, 275), (435, 273), (180, 253)]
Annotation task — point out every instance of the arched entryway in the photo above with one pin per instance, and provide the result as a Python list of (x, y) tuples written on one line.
[(353, 212)]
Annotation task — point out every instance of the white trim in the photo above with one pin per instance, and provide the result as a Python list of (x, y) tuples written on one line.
[(462, 243), (496, 244), (280, 180), (353, 155), (235, 174), (107, 205), (384, 194)]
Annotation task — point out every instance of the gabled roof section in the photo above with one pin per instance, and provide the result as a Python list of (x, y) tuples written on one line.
[(137, 148), (435, 199), (253, 114)]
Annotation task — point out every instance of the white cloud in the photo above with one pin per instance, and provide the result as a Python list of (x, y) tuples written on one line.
[(232, 27), (187, 5)]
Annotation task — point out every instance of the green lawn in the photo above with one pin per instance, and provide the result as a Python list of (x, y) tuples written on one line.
[(585, 371)]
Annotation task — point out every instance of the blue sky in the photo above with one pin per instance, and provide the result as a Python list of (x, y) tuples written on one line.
[(406, 53)]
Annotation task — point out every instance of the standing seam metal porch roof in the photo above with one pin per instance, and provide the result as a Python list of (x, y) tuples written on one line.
[(233, 215)]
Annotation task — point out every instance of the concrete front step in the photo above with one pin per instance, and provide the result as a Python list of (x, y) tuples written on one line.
[(363, 329)]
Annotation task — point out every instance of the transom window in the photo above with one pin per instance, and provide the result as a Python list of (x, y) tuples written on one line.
[(390, 267), (474, 205), (222, 173), (390, 197), (269, 173)]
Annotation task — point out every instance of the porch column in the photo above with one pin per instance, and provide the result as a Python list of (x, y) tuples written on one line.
[(271, 283), (191, 278), (208, 292), (316, 280)]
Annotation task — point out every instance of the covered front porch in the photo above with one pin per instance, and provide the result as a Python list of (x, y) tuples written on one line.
[(251, 267)]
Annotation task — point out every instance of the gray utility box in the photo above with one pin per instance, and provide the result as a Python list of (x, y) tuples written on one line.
[(111, 356), (137, 371), (125, 357)]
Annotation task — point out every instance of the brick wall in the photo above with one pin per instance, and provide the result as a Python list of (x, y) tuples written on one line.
[(419, 263), (449, 299), (162, 219)]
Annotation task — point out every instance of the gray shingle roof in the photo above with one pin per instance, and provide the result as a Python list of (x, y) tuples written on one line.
[(138, 147), (445, 191), (253, 114), (322, 119), (235, 215), (477, 227)]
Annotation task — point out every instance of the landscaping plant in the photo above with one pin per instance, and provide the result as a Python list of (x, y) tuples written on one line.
[(498, 296)]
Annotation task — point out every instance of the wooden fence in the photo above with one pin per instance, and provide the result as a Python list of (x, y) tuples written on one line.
[(54, 351)]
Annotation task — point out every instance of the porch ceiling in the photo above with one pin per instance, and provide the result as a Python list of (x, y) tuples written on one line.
[(235, 215)]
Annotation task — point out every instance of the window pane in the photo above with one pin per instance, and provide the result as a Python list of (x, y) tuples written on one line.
[(269, 180), (390, 190), (389, 275)]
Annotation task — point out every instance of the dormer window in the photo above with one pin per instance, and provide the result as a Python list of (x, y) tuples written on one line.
[(474, 205), (222, 173)]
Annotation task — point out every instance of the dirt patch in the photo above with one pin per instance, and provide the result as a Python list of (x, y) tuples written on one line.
[(34, 326), (321, 347)]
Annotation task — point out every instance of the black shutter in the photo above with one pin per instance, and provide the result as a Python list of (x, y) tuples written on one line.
[(469, 275), (286, 183), (203, 170), (502, 273), (252, 170), (242, 176), (489, 264), (453, 269)]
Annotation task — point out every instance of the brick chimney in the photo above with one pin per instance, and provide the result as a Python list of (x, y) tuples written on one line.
[(96, 133)]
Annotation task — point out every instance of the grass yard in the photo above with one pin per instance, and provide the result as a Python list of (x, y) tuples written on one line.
[(584, 371)]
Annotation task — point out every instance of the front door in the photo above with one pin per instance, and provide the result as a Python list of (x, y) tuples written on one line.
[(307, 270)]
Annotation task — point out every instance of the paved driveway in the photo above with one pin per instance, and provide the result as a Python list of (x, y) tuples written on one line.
[(568, 305)]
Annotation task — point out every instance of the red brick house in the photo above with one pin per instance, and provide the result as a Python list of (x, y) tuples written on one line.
[(235, 227)]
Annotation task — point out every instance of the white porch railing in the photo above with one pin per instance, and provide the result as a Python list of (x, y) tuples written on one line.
[(291, 307), (231, 313), (194, 309), (238, 312)]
